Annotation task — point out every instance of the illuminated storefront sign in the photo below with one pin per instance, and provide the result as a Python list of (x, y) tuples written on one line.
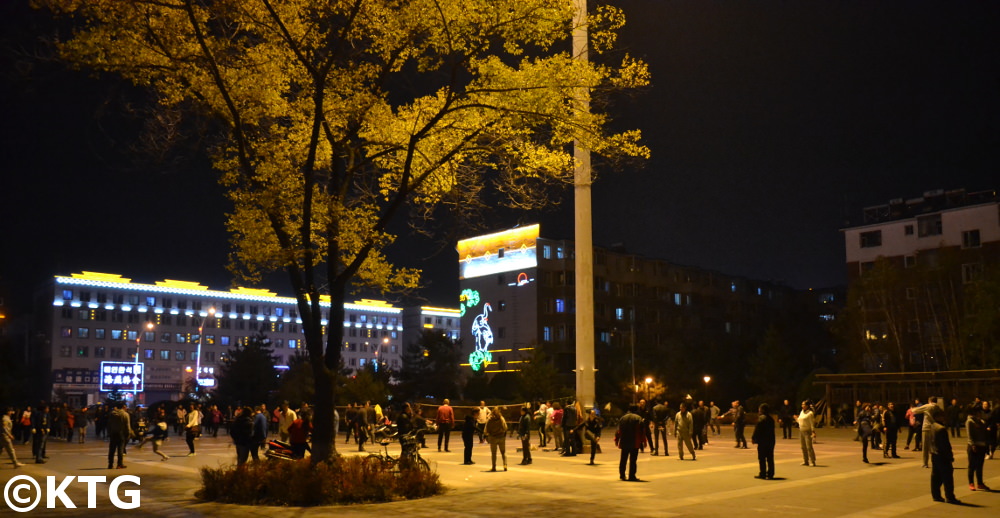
[(500, 252), (121, 376)]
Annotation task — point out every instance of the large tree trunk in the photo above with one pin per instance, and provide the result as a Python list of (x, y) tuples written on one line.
[(324, 443)]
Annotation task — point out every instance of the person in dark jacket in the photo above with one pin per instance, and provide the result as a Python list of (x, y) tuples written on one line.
[(40, 428), (977, 448), (660, 415), (786, 416), (594, 425), (242, 433), (942, 460), (469, 430), (865, 428), (524, 433), (630, 438), (763, 437), (119, 433), (569, 423), (890, 423)]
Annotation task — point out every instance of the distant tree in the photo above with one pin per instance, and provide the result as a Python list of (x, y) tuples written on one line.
[(332, 122), (366, 385), (248, 375), (539, 378), (296, 384), (430, 368)]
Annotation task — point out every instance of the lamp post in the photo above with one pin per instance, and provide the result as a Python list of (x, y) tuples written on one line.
[(648, 381), (197, 360), (707, 379), (135, 386)]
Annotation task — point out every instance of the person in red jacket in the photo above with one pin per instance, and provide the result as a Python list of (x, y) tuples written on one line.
[(630, 438), (298, 435), (445, 422)]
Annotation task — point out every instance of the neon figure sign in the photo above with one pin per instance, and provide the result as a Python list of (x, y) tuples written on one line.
[(481, 357)]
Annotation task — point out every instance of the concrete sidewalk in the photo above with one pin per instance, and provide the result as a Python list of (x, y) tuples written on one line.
[(719, 484)]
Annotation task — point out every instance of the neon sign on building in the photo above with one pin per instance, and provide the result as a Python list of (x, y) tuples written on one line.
[(121, 376)]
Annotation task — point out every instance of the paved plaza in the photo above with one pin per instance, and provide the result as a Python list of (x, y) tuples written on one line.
[(719, 484)]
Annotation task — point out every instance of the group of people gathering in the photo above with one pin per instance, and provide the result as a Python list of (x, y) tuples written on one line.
[(928, 426)]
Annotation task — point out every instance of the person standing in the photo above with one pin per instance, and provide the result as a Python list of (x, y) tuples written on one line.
[(569, 422), (7, 437), (469, 434), (739, 423), (660, 428), (713, 422), (193, 427), (683, 430), (890, 424), (524, 433), (26, 425), (181, 413), (445, 421), (350, 416), (119, 433), (763, 437), (594, 425), (285, 420), (955, 422), (915, 422), (80, 420), (242, 433), (807, 433), (557, 433), (700, 421), (630, 439), (40, 428), (978, 446), (483, 417), (259, 431), (785, 419), (496, 434), (929, 413), (539, 420), (942, 458)]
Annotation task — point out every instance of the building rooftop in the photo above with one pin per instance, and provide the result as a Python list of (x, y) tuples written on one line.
[(930, 202)]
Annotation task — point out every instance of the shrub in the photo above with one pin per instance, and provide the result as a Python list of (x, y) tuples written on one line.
[(345, 480)]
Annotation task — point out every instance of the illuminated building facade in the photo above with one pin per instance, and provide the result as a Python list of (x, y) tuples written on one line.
[(94, 318), (518, 294), (417, 319), (912, 265)]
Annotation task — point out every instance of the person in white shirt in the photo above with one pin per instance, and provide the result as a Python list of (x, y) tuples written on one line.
[(288, 416), (481, 419), (807, 433), (193, 427)]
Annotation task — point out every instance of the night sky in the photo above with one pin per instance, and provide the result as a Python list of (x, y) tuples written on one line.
[(771, 124)]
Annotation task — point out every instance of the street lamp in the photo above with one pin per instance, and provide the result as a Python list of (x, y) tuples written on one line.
[(648, 381), (707, 379), (135, 370), (201, 339)]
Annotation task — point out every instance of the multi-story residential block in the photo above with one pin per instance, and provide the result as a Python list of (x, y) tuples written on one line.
[(104, 332), (518, 294), (913, 266)]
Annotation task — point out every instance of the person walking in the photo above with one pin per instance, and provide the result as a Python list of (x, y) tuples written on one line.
[(942, 458), (259, 437), (763, 436), (975, 427), (714, 413), (192, 429), (26, 425), (496, 434), (807, 433), (7, 437), (629, 438), (445, 421), (594, 425), (915, 422), (684, 430), (739, 423), (524, 433), (119, 433), (469, 430), (557, 432)]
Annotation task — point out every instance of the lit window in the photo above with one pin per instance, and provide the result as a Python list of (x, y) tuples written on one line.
[(560, 306)]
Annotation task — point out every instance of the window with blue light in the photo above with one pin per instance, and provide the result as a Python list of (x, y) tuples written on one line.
[(67, 294), (732, 287), (546, 252), (619, 313), (677, 299), (547, 334), (150, 301), (560, 306)]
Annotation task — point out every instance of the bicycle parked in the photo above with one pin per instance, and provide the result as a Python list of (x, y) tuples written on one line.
[(409, 458)]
